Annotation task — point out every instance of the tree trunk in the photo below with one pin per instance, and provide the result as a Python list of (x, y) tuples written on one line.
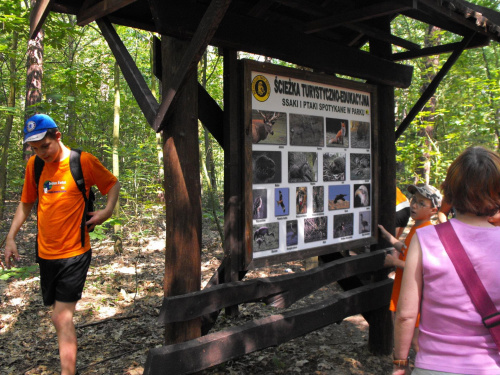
[(116, 161), (34, 73), (11, 103), (431, 64)]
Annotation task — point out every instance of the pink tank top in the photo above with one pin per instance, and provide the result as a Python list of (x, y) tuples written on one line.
[(452, 336)]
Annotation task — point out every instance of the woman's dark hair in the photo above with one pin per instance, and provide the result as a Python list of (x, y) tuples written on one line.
[(472, 184)]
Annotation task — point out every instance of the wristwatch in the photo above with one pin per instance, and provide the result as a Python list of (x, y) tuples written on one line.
[(401, 362)]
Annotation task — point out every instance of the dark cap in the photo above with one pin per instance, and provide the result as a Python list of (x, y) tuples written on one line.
[(427, 191), (36, 127)]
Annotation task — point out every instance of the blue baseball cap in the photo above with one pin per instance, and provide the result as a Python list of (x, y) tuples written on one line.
[(36, 127)]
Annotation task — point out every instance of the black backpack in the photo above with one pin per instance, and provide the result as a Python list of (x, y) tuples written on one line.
[(76, 171)]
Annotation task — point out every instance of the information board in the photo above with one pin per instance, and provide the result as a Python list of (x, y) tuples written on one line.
[(311, 162)]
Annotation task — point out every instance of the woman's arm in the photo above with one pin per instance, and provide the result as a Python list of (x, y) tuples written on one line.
[(409, 302)]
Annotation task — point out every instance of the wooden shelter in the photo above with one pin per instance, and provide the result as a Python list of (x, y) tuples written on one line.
[(324, 36)]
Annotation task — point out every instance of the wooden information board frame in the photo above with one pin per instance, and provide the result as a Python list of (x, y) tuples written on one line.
[(311, 162)]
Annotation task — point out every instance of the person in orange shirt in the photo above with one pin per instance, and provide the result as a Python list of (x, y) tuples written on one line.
[(63, 257), (402, 212), (424, 205)]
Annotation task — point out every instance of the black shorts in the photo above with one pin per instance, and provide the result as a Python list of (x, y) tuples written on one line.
[(63, 279), (402, 217)]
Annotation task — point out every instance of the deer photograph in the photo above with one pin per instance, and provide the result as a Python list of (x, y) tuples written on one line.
[(360, 166), (360, 134), (306, 130), (343, 225), (339, 197), (266, 237), (337, 133), (266, 167), (269, 127)]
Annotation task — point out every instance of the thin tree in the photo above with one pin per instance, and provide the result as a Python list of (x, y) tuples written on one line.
[(11, 103), (118, 246)]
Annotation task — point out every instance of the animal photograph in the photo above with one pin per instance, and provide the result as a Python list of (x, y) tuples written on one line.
[(301, 200), (302, 167), (360, 134), (343, 225), (334, 166), (315, 229), (365, 222), (266, 237), (360, 166), (339, 197), (292, 232), (318, 199), (281, 202), (337, 132), (361, 195), (259, 203), (307, 130), (266, 167), (269, 127)]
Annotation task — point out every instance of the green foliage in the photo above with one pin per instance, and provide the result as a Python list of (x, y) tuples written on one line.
[(18, 273)]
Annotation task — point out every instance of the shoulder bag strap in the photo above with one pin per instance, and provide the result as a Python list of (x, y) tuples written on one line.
[(470, 279)]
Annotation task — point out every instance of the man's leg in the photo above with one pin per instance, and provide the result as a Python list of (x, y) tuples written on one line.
[(62, 318)]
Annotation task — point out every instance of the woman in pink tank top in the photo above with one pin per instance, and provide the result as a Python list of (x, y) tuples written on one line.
[(453, 339)]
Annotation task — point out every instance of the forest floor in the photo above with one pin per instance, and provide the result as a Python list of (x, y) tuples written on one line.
[(116, 320)]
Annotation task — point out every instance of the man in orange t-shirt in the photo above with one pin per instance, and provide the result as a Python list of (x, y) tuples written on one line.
[(424, 204), (63, 260)]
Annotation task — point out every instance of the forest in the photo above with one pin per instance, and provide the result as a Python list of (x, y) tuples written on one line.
[(69, 73)]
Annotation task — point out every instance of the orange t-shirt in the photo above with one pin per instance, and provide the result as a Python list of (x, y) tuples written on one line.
[(398, 278), (61, 205)]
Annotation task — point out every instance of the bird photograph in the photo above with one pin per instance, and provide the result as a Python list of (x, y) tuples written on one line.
[(365, 219), (281, 207), (318, 199), (259, 203), (339, 197), (343, 225), (361, 195), (266, 237), (315, 229), (292, 233)]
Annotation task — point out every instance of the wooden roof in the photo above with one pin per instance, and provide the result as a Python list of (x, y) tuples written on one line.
[(325, 35)]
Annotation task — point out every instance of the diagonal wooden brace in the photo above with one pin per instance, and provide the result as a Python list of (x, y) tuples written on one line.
[(204, 33), (145, 98)]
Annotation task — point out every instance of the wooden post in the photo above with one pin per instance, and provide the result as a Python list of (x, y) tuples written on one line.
[(182, 192), (233, 174), (380, 339)]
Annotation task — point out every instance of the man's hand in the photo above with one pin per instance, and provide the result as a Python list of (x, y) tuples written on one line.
[(96, 218), (11, 254)]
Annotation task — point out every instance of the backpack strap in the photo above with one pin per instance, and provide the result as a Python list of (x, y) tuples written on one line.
[(39, 164), (75, 167), (470, 279)]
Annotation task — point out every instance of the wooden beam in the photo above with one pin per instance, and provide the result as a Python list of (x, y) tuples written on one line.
[(206, 29), (147, 102), (369, 12), (210, 350), (431, 89), (243, 33), (479, 41), (280, 291), (374, 33), (211, 115), (99, 10), (38, 15)]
